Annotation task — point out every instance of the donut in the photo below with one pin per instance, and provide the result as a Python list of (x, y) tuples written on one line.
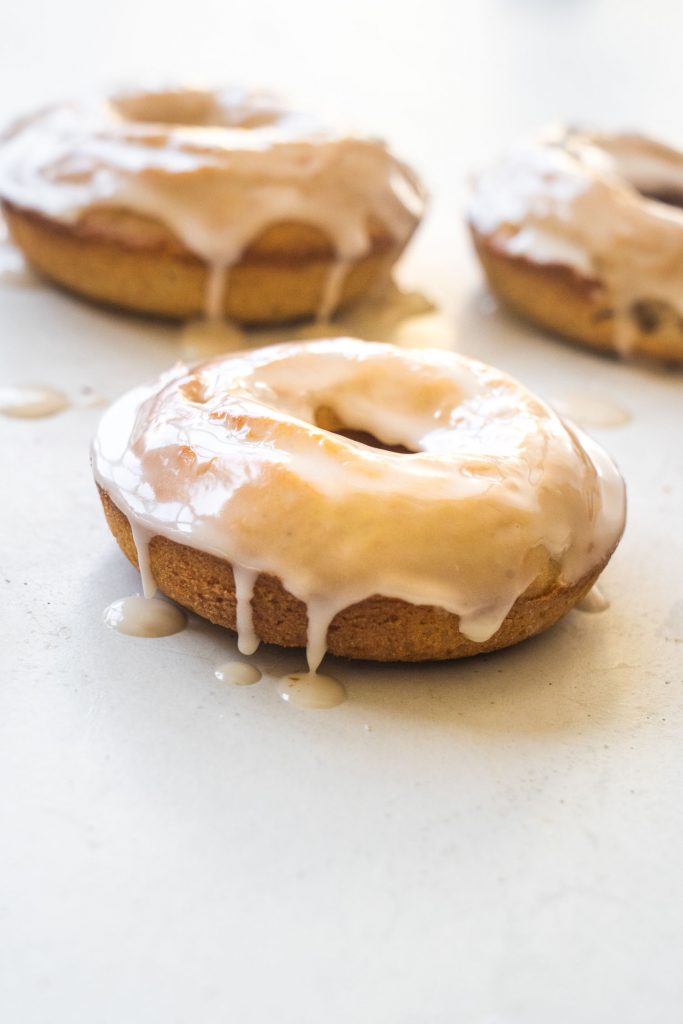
[(183, 202), (583, 234), (345, 495)]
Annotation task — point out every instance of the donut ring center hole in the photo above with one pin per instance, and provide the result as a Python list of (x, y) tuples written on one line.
[(192, 108), (668, 197), (328, 420)]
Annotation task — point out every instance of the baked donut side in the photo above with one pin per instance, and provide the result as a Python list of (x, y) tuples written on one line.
[(126, 261), (382, 503), (576, 308), (375, 629), (582, 233), (182, 202)]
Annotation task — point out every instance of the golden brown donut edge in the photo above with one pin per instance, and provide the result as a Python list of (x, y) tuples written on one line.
[(376, 629), (575, 307), (131, 262)]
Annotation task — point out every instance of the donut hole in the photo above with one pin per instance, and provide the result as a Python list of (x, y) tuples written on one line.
[(328, 420), (668, 198), (371, 441), (195, 108)]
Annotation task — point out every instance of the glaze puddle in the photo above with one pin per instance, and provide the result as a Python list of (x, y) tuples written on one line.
[(145, 617), (286, 165), (383, 317), (592, 410), (594, 601), (311, 690), (238, 673), (200, 339), (13, 268), (31, 402), (370, 391), (397, 315)]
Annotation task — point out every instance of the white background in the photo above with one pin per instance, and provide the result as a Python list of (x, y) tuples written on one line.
[(495, 842)]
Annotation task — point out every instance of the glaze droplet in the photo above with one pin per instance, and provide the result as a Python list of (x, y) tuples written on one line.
[(311, 690), (592, 410), (594, 601), (31, 402), (239, 673), (144, 616)]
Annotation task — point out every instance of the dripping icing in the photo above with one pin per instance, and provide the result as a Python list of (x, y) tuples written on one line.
[(397, 315), (216, 291), (245, 580), (583, 200), (141, 539), (332, 290), (218, 182), (560, 502), (595, 601)]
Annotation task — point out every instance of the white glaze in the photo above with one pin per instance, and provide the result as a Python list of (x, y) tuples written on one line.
[(13, 269), (245, 579), (499, 490), (31, 402), (238, 673), (216, 290), (144, 617), (595, 601), (574, 199), (141, 538), (218, 168), (311, 691), (334, 284)]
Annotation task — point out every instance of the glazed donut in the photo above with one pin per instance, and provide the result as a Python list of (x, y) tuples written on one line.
[(185, 201), (380, 503), (583, 234)]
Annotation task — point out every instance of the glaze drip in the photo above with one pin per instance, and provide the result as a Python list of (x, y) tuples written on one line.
[(217, 168), (495, 494), (245, 580), (141, 538), (595, 601), (583, 200)]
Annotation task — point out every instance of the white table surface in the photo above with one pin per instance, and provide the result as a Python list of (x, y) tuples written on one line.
[(495, 842)]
